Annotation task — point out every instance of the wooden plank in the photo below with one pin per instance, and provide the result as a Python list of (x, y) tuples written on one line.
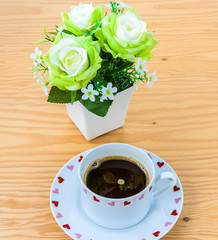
[(176, 119)]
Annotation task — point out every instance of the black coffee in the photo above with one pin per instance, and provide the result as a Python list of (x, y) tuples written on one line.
[(116, 177)]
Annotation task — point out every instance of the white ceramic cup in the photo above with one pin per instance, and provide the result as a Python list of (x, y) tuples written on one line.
[(123, 212)]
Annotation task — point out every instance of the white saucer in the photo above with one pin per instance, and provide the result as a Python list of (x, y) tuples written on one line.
[(68, 212)]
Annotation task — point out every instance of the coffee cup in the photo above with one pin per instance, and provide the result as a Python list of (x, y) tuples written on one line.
[(118, 213)]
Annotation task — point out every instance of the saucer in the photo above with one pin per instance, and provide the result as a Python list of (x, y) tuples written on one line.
[(70, 216)]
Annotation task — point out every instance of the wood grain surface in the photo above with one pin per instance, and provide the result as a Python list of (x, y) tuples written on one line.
[(176, 119)]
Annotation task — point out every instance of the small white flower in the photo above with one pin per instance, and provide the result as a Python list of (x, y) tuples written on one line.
[(108, 92), (36, 61), (60, 29), (44, 87), (40, 79), (141, 66), (123, 5), (108, 5), (151, 78), (89, 92), (36, 57), (36, 54), (35, 74)]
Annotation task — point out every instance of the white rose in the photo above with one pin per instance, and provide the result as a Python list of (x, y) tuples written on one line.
[(129, 27), (123, 5), (80, 15), (72, 61), (69, 57)]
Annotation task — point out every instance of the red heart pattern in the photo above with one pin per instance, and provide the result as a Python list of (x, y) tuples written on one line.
[(160, 164), (80, 158), (59, 215), (66, 226), (156, 234), (150, 188), (85, 191), (167, 224), (175, 188), (174, 213), (78, 235), (70, 167), (111, 203), (126, 203), (95, 199), (55, 203), (177, 199), (60, 179), (141, 197), (150, 155), (56, 191)]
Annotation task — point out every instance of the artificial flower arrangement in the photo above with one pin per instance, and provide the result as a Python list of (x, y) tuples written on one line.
[(93, 56)]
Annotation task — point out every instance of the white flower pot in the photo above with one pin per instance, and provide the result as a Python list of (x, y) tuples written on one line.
[(91, 125)]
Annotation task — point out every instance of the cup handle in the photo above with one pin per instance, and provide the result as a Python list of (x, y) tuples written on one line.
[(165, 175)]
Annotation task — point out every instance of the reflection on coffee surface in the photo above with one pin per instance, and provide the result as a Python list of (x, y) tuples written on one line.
[(116, 177)]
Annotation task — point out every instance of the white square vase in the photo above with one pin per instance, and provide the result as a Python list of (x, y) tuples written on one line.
[(91, 125)]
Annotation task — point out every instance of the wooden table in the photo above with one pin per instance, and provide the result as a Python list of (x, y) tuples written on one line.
[(177, 118)]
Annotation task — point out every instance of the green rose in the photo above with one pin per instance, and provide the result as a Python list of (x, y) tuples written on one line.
[(125, 36), (83, 16), (72, 61)]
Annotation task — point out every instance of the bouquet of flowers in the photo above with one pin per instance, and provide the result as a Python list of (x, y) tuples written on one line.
[(93, 56)]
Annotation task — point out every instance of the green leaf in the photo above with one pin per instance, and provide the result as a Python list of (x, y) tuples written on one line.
[(95, 28), (46, 33), (86, 31), (121, 68), (100, 80), (73, 96), (97, 107), (92, 32), (105, 55), (53, 33), (48, 39), (97, 24), (105, 64), (78, 95), (68, 32), (41, 41), (59, 96)]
